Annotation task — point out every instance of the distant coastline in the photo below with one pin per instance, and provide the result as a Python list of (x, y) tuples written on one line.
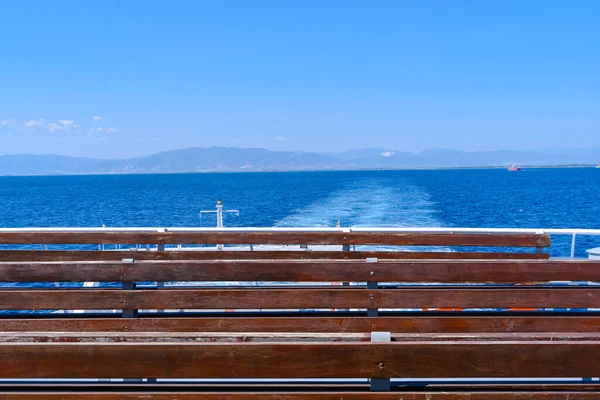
[(254, 160), (525, 167)]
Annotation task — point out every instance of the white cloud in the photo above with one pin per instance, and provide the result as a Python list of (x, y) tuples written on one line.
[(7, 122), (55, 127), (69, 124), (279, 139), (112, 130), (95, 129), (33, 123), (97, 119)]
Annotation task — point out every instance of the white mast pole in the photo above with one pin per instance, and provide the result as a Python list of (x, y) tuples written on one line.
[(219, 219), (219, 214), (219, 211)]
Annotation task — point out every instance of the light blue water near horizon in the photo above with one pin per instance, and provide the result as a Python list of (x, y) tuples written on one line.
[(532, 198)]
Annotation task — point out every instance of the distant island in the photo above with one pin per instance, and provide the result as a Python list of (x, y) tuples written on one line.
[(233, 159)]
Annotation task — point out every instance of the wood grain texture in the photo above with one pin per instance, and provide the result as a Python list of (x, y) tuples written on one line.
[(90, 255), (449, 271), (475, 359), (420, 324), (573, 394), (278, 237), (276, 337), (215, 298)]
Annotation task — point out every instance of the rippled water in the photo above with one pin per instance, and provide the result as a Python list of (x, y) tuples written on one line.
[(548, 198)]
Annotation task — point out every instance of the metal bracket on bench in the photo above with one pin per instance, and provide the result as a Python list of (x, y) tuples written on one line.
[(161, 246), (127, 285), (346, 247), (539, 249), (381, 384), (372, 285)]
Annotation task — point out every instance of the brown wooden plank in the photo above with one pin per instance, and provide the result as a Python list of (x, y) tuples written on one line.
[(450, 271), (271, 337), (298, 386), (573, 394), (279, 237), (420, 324), (337, 395), (216, 298), (287, 337), (315, 360), (82, 255)]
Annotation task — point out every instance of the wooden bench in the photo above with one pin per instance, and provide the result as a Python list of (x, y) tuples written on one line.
[(359, 348)]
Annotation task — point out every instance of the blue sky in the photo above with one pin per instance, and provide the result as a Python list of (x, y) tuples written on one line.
[(124, 78)]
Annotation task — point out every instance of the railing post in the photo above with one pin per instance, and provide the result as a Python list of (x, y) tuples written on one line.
[(573, 240)]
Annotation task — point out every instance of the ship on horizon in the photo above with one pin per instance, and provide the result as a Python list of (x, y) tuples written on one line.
[(514, 167)]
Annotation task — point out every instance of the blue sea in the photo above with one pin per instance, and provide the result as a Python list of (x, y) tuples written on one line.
[(532, 198)]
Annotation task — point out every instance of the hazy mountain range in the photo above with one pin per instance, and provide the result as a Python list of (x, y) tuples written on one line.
[(226, 159)]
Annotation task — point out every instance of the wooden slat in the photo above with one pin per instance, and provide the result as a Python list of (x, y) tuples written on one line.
[(82, 255), (277, 337), (215, 298), (462, 271), (337, 395), (278, 237), (573, 394), (271, 337), (420, 324), (315, 360)]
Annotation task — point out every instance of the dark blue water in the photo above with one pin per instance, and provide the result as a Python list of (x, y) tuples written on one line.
[(544, 198)]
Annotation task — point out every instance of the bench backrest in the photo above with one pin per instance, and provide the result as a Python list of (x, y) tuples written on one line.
[(413, 245)]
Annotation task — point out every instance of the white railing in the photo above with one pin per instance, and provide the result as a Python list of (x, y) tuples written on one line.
[(574, 233)]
